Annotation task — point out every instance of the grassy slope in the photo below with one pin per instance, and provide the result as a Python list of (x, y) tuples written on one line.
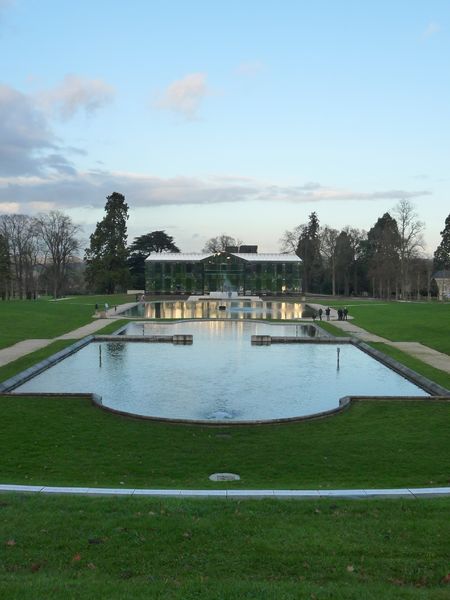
[(33, 358), (440, 377), (70, 442), (42, 319), (428, 323), (131, 548)]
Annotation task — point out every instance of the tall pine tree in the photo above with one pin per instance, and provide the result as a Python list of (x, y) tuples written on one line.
[(442, 255), (383, 244), (106, 257), (308, 249)]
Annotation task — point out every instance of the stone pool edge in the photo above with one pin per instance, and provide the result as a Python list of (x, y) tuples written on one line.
[(238, 494)]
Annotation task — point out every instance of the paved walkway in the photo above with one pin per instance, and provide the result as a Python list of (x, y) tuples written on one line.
[(82, 332), (24, 347), (431, 357), (18, 350), (358, 332), (236, 494), (425, 354)]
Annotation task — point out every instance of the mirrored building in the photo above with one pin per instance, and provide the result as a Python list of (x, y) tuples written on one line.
[(234, 270)]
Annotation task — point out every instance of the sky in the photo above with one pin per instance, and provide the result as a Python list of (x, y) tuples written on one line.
[(236, 117)]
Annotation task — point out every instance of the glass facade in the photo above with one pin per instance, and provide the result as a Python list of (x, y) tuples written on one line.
[(224, 272)]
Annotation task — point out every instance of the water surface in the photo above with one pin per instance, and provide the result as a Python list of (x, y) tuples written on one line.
[(221, 376)]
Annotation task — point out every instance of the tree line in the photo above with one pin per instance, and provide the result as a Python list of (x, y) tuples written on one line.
[(37, 253), (386, 261), (42, 254)]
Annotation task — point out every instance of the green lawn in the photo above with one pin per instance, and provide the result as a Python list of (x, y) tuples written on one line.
[(33, 358), (440, 377), (68, 441), (137, 548), (131, 548), (425, 322), (44, 319)]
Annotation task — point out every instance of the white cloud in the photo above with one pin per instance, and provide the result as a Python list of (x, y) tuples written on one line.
[(185, 95), (431, 29), (76, 94), (89, 189), (27, 144), (249, 68), (9, 207)]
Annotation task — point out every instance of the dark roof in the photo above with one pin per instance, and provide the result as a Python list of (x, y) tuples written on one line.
[(442, 274)]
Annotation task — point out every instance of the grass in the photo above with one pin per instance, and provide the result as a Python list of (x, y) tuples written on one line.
[(44, 319), (440, 377), (32, 358), (77, 547), (133, 548), (424, 322), (68, 441)]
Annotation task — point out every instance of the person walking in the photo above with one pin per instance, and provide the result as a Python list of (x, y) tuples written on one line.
[(320, 314), (327, 312)]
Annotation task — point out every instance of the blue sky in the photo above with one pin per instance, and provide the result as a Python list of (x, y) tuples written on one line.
[(226, 117)]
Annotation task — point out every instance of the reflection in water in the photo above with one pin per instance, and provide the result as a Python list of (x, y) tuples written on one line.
[(221, 376), (218, 309)]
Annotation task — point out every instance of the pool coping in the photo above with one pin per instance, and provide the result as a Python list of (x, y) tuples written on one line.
[(236, 494)]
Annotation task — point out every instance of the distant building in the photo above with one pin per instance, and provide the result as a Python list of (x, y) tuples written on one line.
[(247, 273), (442, 279)]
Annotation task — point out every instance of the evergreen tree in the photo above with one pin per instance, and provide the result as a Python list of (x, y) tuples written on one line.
[(308, 249), (141, 248), (344, 262), (383, 244), (442, 255), (106, 258)]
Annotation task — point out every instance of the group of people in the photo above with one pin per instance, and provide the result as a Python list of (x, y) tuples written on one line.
[(320, 313), (342, 313)]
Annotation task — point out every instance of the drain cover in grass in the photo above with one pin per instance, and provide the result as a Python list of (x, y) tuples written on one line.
[(224, 477)]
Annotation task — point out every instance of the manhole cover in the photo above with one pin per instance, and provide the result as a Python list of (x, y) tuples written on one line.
[(224, 477)]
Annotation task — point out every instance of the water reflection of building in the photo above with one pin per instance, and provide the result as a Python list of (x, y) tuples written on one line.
[(247, 273)]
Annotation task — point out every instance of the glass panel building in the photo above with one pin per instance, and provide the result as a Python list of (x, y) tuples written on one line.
[(247, 273)]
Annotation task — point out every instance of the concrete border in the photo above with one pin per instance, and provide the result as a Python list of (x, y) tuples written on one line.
[(236, 494)]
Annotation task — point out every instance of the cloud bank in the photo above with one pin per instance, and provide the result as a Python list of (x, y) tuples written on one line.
[(89, 189), (27, 144), (36, 170)]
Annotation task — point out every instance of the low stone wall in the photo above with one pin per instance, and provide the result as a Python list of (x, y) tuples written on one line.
[(266, 340), (150, 339)]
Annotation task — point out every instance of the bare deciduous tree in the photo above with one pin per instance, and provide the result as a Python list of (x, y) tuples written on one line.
[(25, 250), (59, 235), (220, 243), (410, 229)]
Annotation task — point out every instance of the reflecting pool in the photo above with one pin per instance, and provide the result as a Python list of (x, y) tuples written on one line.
[(219, 309), (221, 376)]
